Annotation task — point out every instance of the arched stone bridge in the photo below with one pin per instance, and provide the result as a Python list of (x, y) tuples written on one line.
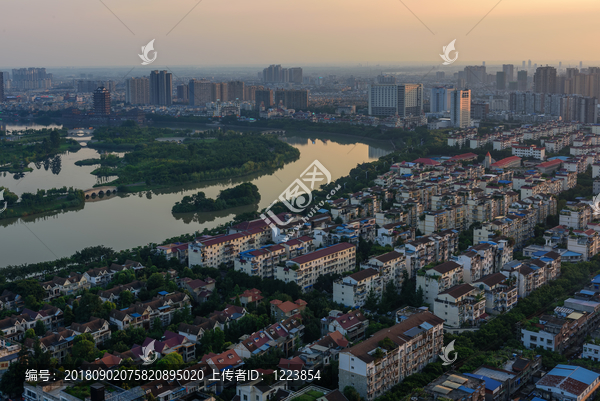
[(99, 191)]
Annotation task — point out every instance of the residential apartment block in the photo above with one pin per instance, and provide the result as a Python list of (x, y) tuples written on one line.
[(375, 365), (304, 270)]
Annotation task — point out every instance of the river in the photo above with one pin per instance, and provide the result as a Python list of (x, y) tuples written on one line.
[(130, 220)]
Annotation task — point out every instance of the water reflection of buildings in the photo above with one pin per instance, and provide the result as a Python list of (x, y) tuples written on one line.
[(376, 153)]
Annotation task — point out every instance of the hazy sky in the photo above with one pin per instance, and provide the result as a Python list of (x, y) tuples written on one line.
[(52, 33)]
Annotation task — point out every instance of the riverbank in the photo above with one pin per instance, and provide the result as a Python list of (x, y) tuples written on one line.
[(49, 203), (126, 220)]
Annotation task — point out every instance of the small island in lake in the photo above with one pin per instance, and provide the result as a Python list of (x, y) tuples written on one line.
[(241, 195)]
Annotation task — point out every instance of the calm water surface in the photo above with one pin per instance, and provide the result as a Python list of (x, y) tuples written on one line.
[(126, 221)]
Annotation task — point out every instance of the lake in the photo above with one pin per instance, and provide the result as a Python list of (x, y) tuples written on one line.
[(129, 220)]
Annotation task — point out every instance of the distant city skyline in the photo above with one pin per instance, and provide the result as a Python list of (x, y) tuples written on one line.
[(350, 32)]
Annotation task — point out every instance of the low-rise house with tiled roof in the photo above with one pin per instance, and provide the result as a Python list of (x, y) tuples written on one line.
[(229, 314), (97, 327), (200, 289), (460, 306), (220, 362), (194, 332), (282, 310), (251, 296), (173, 342), (375, 365), (255, 344), (10, 301), (60, 286), (143, 314), (500, 292), (98, 276), (57, 344), (286, 333), (323, 351), (178, 250), (113, 294), (353, 325), (107, 362), (13, 327)]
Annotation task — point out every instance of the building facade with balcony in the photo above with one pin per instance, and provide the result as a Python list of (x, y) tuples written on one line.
[(375, 365), (460, 306), (306, 269)]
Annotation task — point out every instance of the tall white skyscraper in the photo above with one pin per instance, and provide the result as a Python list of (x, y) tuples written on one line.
[(460, 108), (403, 100), (440, 99)]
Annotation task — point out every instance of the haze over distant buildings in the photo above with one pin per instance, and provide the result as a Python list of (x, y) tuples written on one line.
[(340, 32)]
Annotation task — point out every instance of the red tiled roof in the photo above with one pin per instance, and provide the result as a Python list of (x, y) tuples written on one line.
[(426, 161)]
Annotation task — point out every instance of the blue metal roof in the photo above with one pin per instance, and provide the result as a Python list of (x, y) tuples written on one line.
[(579, 373), (135, 315), (490, 383), (586, 292), (596, 280), (163, 293), (466, 389)]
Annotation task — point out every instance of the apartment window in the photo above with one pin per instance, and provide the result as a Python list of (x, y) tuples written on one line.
[(257, 398), (533, 338), (245, 397)]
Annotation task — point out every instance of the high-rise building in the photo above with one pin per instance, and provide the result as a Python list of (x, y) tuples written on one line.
[(402, 100), (475, 75), (161, 87), (137, 91), (386, 79), (250, 92), (199, 92), (544, 80), (295, 75), (235, 90), (460, 108), (219, 91), (500, 80), (182, 92), (102, 101), (1, 87), (440, 75), (523, 64), (508, 70), (31, 78), (276, 74), (522, 80), (263, 98), (440, 99), (529, 64), (296, 99)]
